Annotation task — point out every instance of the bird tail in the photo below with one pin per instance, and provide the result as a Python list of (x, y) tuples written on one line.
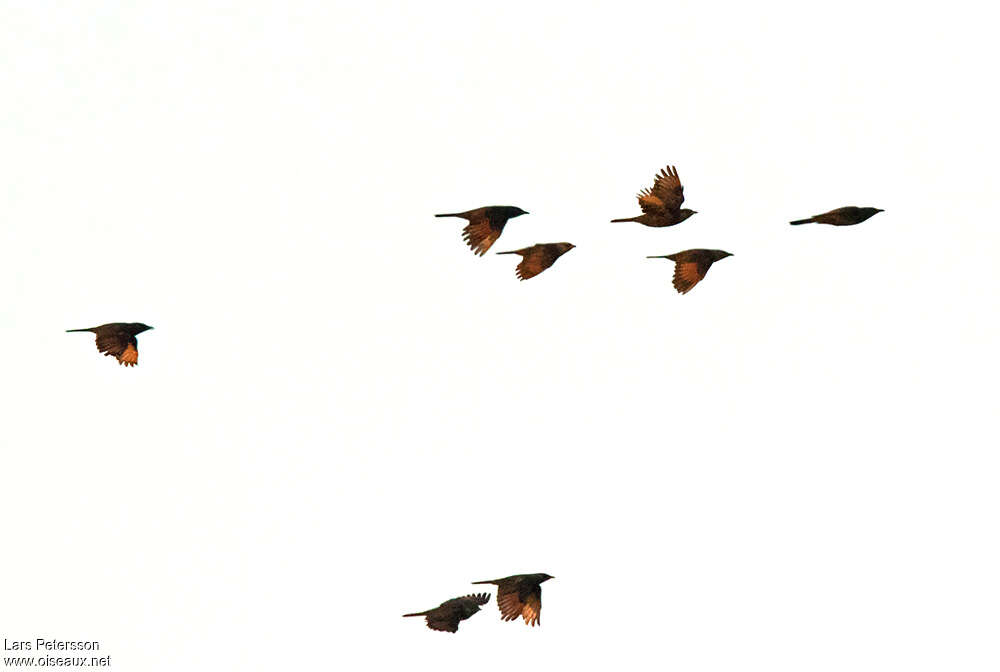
[(422, 613), (69, 330), (802, 221), (658, 256), (626, 219), (507, 252), (450, 214), (478, 582)]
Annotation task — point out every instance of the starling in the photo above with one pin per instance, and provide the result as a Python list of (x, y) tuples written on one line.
[(691, 266), (520, 595), (447, 615), (661, 205), (118, 340), (841, 216), (485, 225), (537, 258)]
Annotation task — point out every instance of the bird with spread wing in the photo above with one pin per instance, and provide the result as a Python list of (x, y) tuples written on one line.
[(446, 616), (485, 225), (690, 266), (537, 258), (520, 595), (118, 340), (661, 204)]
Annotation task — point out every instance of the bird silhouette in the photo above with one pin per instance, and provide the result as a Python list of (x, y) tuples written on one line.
[(118, 339), (520, 595), (485, 225), (447, 615), (661, 205), (537, 258), (847, 216), (690, 266)]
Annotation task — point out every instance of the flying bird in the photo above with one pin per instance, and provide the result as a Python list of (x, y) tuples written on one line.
[(690, 266), (520, 595), (841, 216), (661, 205), (485, 225), (118, 340), (446, 616), (537, 258)]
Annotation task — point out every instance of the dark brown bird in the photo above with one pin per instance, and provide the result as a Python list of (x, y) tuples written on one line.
[(118, 340), (661, 205), (447, 615), (537, 258), (485, 225), (690, 266), (841, 216), (520, 595)]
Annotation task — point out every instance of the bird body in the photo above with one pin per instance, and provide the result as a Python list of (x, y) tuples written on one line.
[(847, 216), (448, 614), (485, 225), (661, 204), (520, 595), (118, 339), (537, 258), (690, 266)]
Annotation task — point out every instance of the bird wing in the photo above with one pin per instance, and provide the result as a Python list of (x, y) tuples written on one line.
[(119, 344), (535, 260), (444, 618), (481, 232), (509, 601), (689, 273), (532, 609), (666, 195)]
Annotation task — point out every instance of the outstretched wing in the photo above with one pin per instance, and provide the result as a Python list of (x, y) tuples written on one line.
[(689, 271), (444, 618), (121, 345), (666, 195), (532, 609), (536, 260), (509, 601), (482, 231)]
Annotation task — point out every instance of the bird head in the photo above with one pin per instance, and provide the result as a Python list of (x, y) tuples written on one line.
[(514, 211), (720, 254), (564, 247), (544, 577), (139, 327), (684, 213)]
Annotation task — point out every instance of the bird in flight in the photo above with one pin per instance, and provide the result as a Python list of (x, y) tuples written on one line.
[(117, 339), (446, 616), (485, 225), (537, 258), (841, 216), (690, 266), (661, 205), (520, 595)]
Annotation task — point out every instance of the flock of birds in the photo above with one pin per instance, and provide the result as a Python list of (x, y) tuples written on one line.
[(520, 595), (661, 206)]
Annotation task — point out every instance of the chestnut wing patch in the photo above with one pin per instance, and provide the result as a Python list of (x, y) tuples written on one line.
[(687, 274), (119, 345), (532, 609), (480, 234), (509, 603)]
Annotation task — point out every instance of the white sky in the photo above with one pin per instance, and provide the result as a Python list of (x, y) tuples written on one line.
[(343, 415)]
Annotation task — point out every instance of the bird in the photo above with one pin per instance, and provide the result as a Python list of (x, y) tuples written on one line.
[(690, 266), (445, 617), (485, 225), (118, 340), (537, 258), (661, 205), (520, 595), (841, 216)]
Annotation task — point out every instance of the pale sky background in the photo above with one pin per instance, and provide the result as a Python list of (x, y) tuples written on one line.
[(343, 415)]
